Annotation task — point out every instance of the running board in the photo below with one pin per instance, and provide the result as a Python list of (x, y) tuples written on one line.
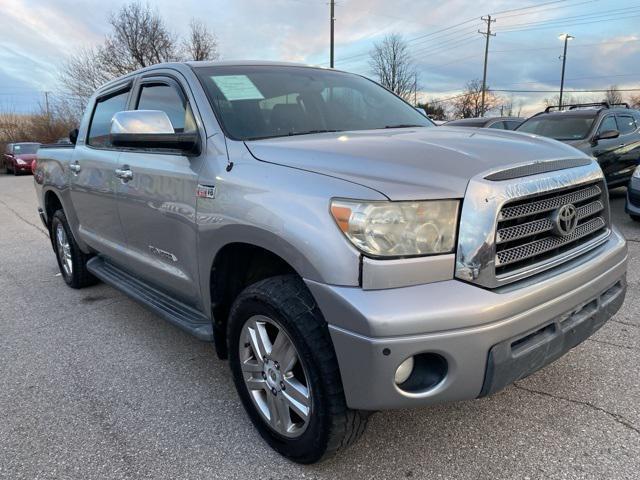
[(175, 312)]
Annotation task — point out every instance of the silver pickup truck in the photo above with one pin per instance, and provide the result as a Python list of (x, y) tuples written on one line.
[(341, 251)]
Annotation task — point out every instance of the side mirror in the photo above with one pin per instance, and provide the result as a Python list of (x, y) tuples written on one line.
[(73, 136), (149, 129), (606, 135)]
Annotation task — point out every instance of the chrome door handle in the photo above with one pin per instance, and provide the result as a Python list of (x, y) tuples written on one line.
[(75, 168), (124, 174)]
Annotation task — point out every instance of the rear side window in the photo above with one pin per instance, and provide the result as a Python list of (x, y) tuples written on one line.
[(626, 124), (103, 112), (512, 125), (498, 125), (158, 96)]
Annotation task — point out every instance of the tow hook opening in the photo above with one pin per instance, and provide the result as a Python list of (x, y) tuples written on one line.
[(429, 369)]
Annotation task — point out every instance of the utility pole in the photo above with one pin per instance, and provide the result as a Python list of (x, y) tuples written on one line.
[(415, 89), (46, 103), (332, 21), (487, 34), (566, 37)]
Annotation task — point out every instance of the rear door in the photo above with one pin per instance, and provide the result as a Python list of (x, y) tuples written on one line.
[(607, 151), (158, 205), (629, 145), (92, 176)]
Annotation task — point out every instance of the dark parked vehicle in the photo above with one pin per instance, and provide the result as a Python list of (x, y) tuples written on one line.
[(19, 156), (610, 133), (633, 196), (501, 123)]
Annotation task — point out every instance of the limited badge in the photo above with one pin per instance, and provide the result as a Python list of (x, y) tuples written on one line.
[(206, 191)]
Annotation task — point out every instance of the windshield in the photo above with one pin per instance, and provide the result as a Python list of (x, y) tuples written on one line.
[(25, 148), (560, 127), (254, 102)]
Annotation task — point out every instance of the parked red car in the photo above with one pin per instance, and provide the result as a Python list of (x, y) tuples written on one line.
[(18, 157)]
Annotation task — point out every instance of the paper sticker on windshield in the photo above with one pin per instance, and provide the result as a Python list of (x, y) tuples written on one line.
[(237, 87)]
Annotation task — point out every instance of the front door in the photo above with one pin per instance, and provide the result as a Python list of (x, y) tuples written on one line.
[(93, 181), (157, 205)]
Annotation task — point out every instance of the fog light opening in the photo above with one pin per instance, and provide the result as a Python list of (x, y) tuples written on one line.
[(427, 370), (404, 371)]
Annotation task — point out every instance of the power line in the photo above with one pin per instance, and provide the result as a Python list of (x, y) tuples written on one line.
[(547, 9), (530, 7), (555, 26), (585, 16)]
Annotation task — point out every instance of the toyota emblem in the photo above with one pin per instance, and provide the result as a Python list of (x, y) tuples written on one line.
[(565, 220)]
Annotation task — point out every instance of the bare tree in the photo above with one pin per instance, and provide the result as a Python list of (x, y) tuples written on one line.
[(635, 101), (139, 39), (82, 73), (392, 65), (613, 95), (201, 44), (469, 104)]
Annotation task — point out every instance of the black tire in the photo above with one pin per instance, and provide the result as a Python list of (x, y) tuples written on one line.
[(635, 218), (79, 276), (332, 426)]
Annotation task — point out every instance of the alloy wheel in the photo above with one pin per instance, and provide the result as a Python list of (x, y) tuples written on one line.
[(274, 376), (64, 250)]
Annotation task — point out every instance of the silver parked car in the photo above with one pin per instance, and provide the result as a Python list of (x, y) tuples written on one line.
[(344, 254)]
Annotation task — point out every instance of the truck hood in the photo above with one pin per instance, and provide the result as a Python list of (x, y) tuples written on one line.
[(409, 163)]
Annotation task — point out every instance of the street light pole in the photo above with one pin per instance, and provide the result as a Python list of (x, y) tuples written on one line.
[(566, 37), (332, 22)]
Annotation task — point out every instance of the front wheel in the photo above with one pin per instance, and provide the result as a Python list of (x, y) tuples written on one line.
[(286, 372)]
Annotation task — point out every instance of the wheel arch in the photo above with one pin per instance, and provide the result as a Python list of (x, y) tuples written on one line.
[(235, 266)]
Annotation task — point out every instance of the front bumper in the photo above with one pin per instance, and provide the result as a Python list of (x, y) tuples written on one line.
[(470, 327)]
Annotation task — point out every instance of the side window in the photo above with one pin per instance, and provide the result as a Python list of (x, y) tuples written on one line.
[(159, 96), (499, 125), (609, 123), (626, 124), (103, 112), (512, 125)]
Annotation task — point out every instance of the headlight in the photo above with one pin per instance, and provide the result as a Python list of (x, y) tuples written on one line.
[(388, 229), (19, 161), (636, 172)]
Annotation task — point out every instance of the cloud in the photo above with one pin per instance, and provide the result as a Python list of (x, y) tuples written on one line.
[(38, 34)]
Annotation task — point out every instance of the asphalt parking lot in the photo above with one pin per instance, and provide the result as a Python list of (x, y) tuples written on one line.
[(92, 385)]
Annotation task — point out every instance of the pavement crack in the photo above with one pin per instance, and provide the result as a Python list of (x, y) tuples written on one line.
[(616, 417), (604, 342), (628, 324), (20, 217)]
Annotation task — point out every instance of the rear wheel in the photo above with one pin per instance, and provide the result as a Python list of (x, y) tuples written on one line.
[(71, 260), (286, 372)]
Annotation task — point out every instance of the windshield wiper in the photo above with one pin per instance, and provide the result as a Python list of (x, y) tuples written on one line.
[(308, 132), (404, 125)]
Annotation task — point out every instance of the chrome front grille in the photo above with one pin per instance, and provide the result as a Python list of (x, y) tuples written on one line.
[(527, 233)]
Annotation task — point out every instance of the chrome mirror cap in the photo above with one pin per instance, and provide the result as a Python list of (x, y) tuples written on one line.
[(141, 121)]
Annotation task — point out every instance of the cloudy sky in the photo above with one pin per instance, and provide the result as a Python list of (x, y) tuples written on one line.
[(37, 35)]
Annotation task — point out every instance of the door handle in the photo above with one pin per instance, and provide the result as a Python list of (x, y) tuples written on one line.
[(75, 167), (124, 173)]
